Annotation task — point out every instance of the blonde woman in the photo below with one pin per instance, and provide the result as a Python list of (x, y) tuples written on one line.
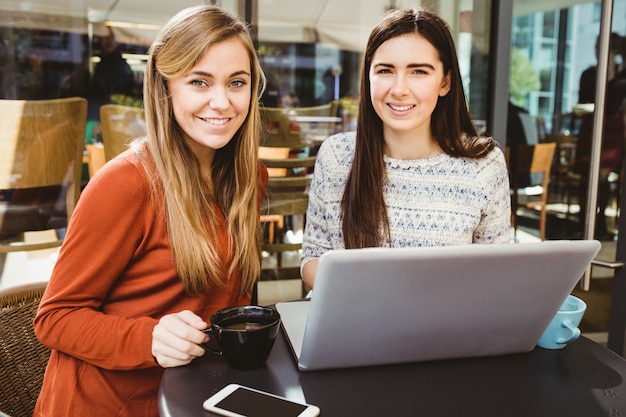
[(166, 233)]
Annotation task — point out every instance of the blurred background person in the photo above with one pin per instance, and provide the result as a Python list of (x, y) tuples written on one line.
[(612, 151)]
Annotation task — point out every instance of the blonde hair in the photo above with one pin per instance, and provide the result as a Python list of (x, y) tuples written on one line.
[(189, 200)]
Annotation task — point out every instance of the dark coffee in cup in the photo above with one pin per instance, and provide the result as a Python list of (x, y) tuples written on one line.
[(244, 334), (243, 326)]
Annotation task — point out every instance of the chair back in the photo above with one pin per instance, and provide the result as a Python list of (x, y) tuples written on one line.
[(321, 110), (529, 160), (543, 155), (95, 157), (283, 129), (279, 131), (287, 193), (120, 125), (267, 153), (41, 156), (289, 176), (288, 157), (23, 359)]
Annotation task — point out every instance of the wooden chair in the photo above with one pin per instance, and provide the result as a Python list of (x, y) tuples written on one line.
[(41, 157), (562, 170), (321, 110), (531, 159), (274, 222), (120, 124), (290, 127), (23, 359), (283, 138), (95, 158), (287, 189)]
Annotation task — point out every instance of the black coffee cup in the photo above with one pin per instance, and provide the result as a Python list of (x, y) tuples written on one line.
[(245, 335)]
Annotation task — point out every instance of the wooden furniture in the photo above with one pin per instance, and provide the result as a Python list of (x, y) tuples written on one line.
[(284, 153), (41, 157), (23, 359), (531, 159), (291, 127), (120, 125), (95, 158), (565, 180), (274, 221), (287, 196)]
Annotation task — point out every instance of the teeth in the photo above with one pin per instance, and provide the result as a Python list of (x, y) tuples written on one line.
[(216, 121), (401, 108)]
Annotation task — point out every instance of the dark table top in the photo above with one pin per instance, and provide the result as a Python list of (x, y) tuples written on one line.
[(583, 379)]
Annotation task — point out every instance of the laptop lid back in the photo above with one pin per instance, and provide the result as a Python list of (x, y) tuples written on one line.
[(379, 306)]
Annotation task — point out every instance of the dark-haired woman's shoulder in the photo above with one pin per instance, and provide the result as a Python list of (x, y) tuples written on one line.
[(338, 149), (485, 153), (493, 164)]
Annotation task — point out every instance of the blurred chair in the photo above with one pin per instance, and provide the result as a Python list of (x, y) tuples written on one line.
[(566, 180), (120, 125), (300, 126), (95, 157), (275, 222), (335, 108), (41, 159), (321, 110), (290, 177), (531, 159), (23, 359)]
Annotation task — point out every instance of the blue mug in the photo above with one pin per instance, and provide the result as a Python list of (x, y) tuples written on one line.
[(563, 328)]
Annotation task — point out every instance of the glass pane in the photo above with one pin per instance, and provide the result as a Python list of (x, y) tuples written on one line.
[(561, 46), (311, 52)]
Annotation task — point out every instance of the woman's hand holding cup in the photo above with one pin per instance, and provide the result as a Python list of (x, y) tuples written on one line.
[(176, 339)]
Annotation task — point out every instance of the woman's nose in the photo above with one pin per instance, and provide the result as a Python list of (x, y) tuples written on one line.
[(399, 86), (219, 99)]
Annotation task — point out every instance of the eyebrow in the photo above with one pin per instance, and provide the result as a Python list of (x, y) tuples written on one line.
[(209, 75), (412, 65)]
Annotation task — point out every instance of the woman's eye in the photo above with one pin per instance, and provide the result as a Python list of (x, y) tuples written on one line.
[(384, 71), (238, 83), (198, 83)]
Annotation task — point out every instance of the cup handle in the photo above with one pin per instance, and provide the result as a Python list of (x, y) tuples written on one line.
[(206, 346), (566, 324)]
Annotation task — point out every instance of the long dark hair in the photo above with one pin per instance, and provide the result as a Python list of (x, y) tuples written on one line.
[(363, 204)]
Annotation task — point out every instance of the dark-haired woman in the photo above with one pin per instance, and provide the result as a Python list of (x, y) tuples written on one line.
[(415, 173)]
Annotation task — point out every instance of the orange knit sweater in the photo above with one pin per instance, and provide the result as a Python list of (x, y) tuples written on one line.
[(114, 279)]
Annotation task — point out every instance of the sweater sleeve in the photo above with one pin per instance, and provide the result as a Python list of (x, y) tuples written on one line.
[(105, 233), (495, 222)]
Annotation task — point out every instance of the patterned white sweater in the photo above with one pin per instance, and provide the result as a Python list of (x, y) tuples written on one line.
[(431, 202)]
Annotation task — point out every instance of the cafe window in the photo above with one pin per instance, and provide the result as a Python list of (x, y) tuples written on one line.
[(315, 56)]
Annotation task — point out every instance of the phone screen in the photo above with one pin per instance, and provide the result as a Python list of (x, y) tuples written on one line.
[(253, 404)]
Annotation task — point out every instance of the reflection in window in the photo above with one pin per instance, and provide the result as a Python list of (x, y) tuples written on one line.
[(550, 24)]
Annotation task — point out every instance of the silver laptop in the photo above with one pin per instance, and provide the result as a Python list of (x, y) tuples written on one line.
[(380, 306)]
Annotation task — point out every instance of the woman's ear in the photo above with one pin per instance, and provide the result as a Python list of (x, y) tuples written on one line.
[(445, 85)]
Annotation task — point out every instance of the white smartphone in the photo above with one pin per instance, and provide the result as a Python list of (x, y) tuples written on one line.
[(238, 401)]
